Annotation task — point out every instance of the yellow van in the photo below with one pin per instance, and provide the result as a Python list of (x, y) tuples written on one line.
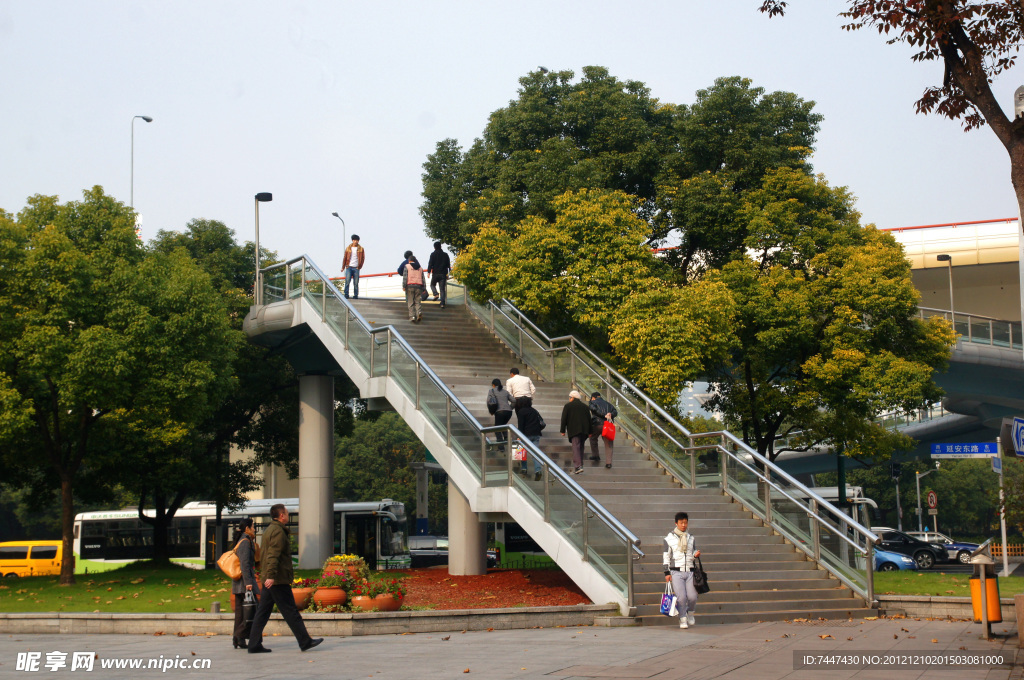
[(30, 558)]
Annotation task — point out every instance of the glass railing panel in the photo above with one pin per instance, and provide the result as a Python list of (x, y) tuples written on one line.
[(563, 361), (709, 467), (314, 291), (359, 341), (1015, 330), (379, 347), (607, 552), (336, 313), (465, 438), (531, 490), (566, 511), (790, 518), (507, 331), (744, 485), (841, 557), (295, 278), (433, 403), (981, 332), (497, 463), (961, 325), (403, 368), (1001, 333), (456, 294), (273, 285)]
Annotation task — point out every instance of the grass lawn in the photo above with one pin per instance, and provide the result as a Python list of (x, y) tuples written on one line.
[(138, 587), (935, 582)]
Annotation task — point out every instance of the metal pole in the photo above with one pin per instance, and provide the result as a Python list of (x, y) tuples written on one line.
[(952, 307), (693, 469), (899, 509), (547, 492), (815, 531), (586, 536), (1002, 513), (870, 571), (629, 575), (483, 460), (257, 290), (447, 419), (917, 480), (389, 353), (418, 372)]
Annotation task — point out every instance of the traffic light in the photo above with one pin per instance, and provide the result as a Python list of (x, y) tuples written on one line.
[(895, 469)]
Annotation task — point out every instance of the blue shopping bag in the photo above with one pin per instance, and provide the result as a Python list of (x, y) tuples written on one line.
[(668, 602)]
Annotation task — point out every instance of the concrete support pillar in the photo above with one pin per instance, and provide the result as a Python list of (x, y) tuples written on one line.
[(467, 536), (316, 470)]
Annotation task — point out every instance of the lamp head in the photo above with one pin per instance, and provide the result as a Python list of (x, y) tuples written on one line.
[(264, 197), (943, 258), (148, 119), (336, 214)]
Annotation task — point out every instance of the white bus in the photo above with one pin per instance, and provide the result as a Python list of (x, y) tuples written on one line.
[(378, 531)]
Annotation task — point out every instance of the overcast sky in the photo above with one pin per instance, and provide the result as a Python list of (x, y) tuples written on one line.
[(334, 105)]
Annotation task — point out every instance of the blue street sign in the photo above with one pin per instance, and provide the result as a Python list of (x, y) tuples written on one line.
[(1018, 436), (972, 450), (997, 465)]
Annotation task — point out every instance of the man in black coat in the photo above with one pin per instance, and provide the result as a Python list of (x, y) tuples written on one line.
[(438, 267), (576, 426)]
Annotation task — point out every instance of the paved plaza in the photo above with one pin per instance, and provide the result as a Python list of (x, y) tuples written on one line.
[(761, 651)]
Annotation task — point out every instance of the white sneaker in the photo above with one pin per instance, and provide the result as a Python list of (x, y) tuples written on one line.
[(690, 620), (682, 623)]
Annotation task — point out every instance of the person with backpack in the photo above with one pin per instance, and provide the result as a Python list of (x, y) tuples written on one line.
[(412, 284), (499, 405), (531, 424)]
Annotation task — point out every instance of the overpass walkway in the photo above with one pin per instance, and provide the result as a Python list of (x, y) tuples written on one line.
[(773, 549)]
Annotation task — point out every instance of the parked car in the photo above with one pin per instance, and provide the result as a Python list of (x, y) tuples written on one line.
[(30, 558), (430, 551), (956, 551), (890, 561), (925, 554)]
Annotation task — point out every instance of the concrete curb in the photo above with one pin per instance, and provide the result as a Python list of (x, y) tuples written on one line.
[(940, 607), (372, 623)]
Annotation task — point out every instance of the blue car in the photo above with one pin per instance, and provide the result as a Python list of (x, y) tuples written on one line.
[(956, 551), (890, 561)]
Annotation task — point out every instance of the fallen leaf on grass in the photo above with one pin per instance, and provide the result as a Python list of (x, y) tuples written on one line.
[(826, 637), (935, 641), (466, 671)]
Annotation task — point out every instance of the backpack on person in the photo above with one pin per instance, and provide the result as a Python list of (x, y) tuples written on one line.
[(492, 404)]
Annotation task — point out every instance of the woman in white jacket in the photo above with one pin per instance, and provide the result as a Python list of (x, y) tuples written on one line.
[(679, 562)]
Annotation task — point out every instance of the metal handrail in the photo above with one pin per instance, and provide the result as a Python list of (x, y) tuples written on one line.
[(838, 517), (718, 433), (952, 315), (622, 531)]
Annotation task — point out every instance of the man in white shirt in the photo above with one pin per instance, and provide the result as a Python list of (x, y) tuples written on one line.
[(519, 386)]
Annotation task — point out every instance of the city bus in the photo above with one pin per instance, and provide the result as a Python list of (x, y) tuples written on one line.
[(376, 531)]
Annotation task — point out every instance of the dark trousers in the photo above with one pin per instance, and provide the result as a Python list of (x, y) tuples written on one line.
[(281, 595), (242, 630), (577, 450), (502, 418), (443, 281)]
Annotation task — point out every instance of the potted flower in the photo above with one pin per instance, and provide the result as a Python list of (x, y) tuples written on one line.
[(354, 564), (390, 596), (363, 593), (332, 588), (302, 591)]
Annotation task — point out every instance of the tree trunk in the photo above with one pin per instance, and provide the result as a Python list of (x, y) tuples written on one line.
[(161, 553), (67, 522)]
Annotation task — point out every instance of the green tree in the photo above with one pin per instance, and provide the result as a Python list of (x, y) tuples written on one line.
[(96, 338), (580, 265), (974, 41), (373, 463), (822, 330)]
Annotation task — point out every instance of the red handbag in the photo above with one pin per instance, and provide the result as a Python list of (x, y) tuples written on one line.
[(608, 431)]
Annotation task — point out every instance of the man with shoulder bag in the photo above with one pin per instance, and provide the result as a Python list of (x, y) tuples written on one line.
[(679, 561), (277, 585)]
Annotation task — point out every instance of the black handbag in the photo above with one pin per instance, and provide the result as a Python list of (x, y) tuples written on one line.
[(700, 578), (248, 608)]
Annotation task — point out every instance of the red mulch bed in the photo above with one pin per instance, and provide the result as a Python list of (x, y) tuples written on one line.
[(436, 589)]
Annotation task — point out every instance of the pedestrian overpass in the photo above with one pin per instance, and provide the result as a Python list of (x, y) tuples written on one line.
[(773, 547)]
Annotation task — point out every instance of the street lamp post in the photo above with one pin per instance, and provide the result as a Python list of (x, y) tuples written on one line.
[(949, 262), (343, 243), (917, 481), (257, 291), (148, 119)]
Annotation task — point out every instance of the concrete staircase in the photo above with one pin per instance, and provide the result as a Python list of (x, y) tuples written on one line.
[(754, 574)]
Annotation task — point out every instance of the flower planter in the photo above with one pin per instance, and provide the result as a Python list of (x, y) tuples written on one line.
[(330, 597), (388, 603), (352, 569), (362, 602), (302, 597)]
